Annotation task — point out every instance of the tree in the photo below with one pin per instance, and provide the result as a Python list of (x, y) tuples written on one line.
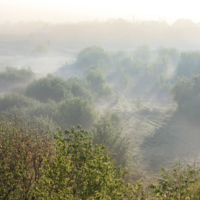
[(68, 166), (172, 52), (97, 83), (109, 128), (91, 55), (189, 64), (49, 87), (72, 112), (142, 53)]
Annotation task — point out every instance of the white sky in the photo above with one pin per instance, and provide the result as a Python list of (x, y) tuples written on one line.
[(76, 10)]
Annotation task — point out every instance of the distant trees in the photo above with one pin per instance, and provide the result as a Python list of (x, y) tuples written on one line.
[(97, 83), (142, 53), (12, 76), (109, 128), (41, 48), (186, 92), (91, 55), (74, 111), (57, 89), (48, 88), (189, 64), (126, 79), (173, 53)]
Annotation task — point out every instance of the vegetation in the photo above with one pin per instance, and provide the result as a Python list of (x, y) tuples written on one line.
[(172, 52), (12, 76), (57, 89), (75, 111), (91, 56), (34, 166), (189, 64), (135, 131), (109, 129), (186, 93), (48, 88), (97, 83)]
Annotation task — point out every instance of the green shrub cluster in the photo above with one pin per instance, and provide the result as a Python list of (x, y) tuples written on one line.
[(39, 166), (12, 76), (172, 52), (57, 89), (67, 113), (97, 83), (91, 56), (75, 111), (36, 164), (189, 64), (108, 129), (186, 93)]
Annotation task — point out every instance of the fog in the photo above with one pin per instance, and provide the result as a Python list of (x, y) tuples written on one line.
[(95, 63)]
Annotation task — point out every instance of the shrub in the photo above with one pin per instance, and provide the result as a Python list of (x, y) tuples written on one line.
[(78, 89), (57, 89), (126, 80), (142, 53), (34, 166), (172, 52), (12, 76), (186, 89), (97, 83), (109, 128), (41, 49), (49, 87), (9, 101), (96, 80), (91, 55), (179, 183), (72, 112), (22, 151), (189, 64)]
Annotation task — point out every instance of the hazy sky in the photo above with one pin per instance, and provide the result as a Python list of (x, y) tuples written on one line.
[(76, 10)]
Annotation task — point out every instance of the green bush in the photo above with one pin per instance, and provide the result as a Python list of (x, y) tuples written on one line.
[(109, 128), (34, 166), (57, 89), (50, 87), (91, 55), (172, 52), (180, 183), (9, 101), (186, 93), (72, 112), (126, 80), (97, 83), (78, 88), (189, 64), (12, 76), (142, 53), (41, 49)]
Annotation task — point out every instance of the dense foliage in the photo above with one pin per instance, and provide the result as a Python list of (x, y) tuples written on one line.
[(91, 55), (75, 111), (34, 166), (97, 83), (189, 64), (48, 88), (12, 76), (57, 89), (108, 129), (186, 92)]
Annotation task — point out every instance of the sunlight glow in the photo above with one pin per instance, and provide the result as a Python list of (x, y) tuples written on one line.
[(76, 10)]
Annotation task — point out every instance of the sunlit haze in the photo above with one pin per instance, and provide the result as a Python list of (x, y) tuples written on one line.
[(58, 11)]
